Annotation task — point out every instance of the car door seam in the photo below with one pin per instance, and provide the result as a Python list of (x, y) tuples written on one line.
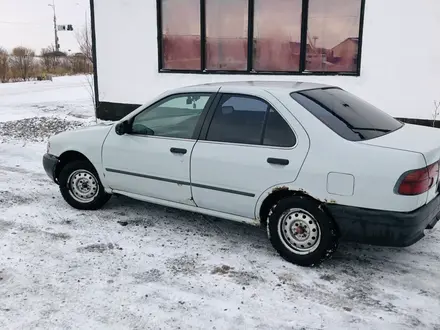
[(190, 172)]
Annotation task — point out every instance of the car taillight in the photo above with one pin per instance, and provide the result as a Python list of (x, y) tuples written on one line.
[(417, 182)]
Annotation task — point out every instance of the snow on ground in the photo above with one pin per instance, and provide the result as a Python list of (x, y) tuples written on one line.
[(66, 97), (134, 265)]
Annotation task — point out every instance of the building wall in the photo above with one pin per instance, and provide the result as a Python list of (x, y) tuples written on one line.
[(348, 48), (400, 65)]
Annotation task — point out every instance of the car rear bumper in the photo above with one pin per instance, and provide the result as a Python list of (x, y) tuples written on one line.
[(50, 163), (385, 228)]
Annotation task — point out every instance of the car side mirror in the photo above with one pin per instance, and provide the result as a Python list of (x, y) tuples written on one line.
[(122, 128)]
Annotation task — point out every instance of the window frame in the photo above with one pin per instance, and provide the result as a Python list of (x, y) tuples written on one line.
[(200, 122), (213, 108), (250, 71)]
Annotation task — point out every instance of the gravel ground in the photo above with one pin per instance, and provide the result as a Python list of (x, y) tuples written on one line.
[(36, 129)]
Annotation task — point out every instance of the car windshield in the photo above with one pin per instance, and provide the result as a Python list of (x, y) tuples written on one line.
[(347, 115)]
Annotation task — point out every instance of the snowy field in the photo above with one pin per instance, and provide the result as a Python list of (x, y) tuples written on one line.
[(134, 265)]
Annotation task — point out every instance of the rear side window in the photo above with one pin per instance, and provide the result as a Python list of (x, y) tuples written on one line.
[(347, 115), (277, 132), (246, 119), (238, 119)]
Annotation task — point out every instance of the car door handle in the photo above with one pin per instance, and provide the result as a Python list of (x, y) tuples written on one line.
[(178, 151), (278, 161)]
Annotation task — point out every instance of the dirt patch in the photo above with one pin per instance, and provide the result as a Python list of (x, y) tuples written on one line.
[(142, 222), (78, 115), (151, 275), (8, 199), (5, 277), (244, 278), (102, 247), (239, 277), (48, 234), (222, 270), (351, 291), (58, 236), (16, 169), (138, 222), (328, 277), (5, 225), (361, 294), (184, 265)]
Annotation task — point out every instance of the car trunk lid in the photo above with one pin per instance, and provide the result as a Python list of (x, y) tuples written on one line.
[(413, 138)]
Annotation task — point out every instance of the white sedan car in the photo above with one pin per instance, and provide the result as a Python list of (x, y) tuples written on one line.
[(313, 163)]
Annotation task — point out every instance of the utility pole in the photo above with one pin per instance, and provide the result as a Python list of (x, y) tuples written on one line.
[(55, 28)]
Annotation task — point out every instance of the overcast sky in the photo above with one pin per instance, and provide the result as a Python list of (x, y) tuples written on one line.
[(30, 23)]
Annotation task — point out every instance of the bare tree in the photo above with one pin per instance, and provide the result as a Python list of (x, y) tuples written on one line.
[(66, 65), (436, 112), (51, 59), (80, 63), (4, 65), (84, 40), (22, 61)]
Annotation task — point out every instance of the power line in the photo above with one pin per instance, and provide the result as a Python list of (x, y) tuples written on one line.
[(21, 23)]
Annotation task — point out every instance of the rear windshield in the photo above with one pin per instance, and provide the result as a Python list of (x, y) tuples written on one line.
[(347, 115)]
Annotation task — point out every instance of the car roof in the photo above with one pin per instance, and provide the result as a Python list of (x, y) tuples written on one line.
[(286, 86)]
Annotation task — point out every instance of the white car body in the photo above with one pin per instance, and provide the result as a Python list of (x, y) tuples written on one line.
[(232, 181)]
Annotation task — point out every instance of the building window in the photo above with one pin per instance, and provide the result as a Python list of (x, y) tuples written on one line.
[(277, 35), (333, 26), (321, 37), (226, 35), (181, 37)]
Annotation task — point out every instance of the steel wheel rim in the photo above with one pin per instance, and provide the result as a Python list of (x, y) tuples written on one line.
[(83, 186), (299, 231)]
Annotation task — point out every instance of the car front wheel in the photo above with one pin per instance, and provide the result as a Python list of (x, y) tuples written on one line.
[(80, 186), (301, 231)]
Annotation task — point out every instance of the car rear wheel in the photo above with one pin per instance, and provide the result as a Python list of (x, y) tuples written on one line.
[(301, 231), (80, 186)]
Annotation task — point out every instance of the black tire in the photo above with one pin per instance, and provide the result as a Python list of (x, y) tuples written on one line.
[(97, 197), (294, 218)]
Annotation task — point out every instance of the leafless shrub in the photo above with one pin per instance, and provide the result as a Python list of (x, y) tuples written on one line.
[(436, 112), (22, 62), (91, 88), (84, 40), (51, 59), (4, 65), (80, 63)]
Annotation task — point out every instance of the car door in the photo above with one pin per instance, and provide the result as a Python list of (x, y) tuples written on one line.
[(251, 143), (153, 158)]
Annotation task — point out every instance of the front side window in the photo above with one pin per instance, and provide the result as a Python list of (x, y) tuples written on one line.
[(260, 36), (176, 117), (347, 115), (249, 120)]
